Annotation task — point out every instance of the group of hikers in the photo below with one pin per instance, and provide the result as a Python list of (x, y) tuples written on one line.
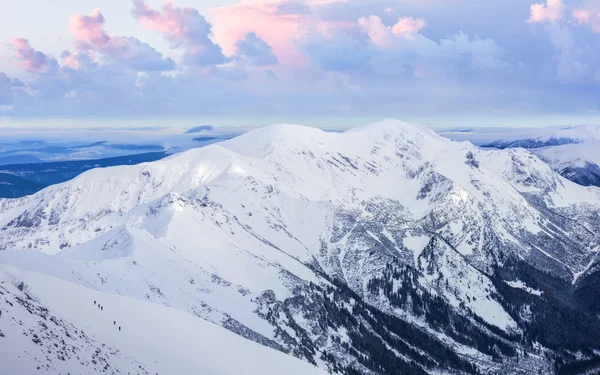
[(102, 309)]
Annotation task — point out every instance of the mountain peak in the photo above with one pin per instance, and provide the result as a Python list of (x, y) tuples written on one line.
[(262, 141)]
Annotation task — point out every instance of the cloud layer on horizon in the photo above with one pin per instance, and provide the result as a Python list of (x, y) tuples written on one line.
[(315, 57)]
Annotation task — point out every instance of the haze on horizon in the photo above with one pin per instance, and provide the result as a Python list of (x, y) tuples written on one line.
[(317, 62)]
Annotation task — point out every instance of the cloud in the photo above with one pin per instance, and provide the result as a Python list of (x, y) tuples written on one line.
[(588, 17), (137, 55), (386, 36), (6, 97), (576, 60), (292, 8), (314, 57), (279, 23), (379, 34), (88, 31), (582, 16), (571, 60), (252, 50), (408, 26), (92, 89), (552, 11), (32, 60), (183, 27), (90, 36), (337, 53), (403, 46), (76, 60), (587, 13)]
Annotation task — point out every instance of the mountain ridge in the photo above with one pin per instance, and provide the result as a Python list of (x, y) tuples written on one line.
[(341, 249), (566, 135)]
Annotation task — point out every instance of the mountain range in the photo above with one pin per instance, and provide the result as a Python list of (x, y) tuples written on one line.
[(386, 249), (570, 151), (548, 138)]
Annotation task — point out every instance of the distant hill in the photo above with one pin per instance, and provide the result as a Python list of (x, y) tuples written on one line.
[(15, 187), (568, 135), (18, 180), (19, 159)]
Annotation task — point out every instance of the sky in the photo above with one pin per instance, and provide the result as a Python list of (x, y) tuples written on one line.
[(438, 62)]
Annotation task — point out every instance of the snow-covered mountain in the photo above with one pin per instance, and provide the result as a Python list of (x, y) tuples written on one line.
[(549, 137), (570, 151), (381, 250), (579, 162), (56, 327)]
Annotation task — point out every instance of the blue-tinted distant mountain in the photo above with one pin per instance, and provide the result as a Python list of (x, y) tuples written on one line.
[(67, 149), (100, 143), (21, 152), (199, 129), (44, 162), (19, 159), (205, 140), (578, 162), (31, 142), (531, 143), (136, 147), (571, 151), (567, 135), (14, 187), (23, 179)]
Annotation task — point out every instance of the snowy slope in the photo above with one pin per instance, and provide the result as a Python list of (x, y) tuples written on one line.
[(262, 234), (572, 155), (578, 162), (66, 332)]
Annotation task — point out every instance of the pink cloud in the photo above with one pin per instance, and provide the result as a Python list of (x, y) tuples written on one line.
[(582, 16), (282, 24), (179, 25), (552, 11), (70, 60), (380, 34), (407, 26), (76, 60), (261, 17), (385, 36), (183, 27), (90, 36), (30, 59), (88, 31), (588, 17)]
